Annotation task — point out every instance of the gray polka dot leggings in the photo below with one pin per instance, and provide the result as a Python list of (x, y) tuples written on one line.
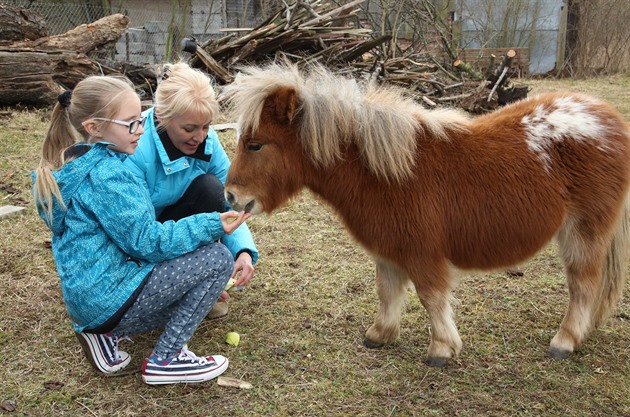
[(177, 296)]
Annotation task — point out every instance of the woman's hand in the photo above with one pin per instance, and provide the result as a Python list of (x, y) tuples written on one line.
[(231, 220)]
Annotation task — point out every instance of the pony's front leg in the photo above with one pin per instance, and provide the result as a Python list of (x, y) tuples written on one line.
[(433, 287), (391, 288), (445, 341)]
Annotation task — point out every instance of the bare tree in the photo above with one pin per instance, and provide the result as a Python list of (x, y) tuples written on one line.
[(598, 37)]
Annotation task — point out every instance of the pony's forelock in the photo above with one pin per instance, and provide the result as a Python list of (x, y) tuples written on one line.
[(251, 87)]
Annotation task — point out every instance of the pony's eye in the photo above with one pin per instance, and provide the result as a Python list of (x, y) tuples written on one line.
[(254, 147)]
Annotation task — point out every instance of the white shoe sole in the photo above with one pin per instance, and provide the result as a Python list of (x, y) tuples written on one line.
[(172, 378), (96, 357)]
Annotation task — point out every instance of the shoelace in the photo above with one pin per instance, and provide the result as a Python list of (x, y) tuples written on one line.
[(187, 354), (115, 340), (117, 354)]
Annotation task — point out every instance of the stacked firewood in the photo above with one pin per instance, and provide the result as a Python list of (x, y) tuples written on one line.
[(309, 31)]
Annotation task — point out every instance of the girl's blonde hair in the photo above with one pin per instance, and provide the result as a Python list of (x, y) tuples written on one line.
[(184, 90), (95, 96)]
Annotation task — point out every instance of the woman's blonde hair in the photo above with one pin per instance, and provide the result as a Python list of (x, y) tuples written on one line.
[(184, 90), (94, 96)]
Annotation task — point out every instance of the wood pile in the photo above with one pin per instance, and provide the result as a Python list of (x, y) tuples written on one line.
[(310, 30), (36, 67)]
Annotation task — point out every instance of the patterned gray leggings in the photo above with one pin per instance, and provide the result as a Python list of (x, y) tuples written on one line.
[(178, 295)]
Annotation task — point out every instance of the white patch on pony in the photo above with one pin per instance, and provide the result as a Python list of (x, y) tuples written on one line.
[(565, 118)]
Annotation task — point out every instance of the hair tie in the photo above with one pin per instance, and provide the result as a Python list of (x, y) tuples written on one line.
[(64, 98), (166, 72)]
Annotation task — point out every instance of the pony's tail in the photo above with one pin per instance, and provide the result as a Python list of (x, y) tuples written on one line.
[(615, 267)]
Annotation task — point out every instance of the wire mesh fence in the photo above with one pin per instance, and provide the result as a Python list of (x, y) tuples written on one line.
[(599, 37)]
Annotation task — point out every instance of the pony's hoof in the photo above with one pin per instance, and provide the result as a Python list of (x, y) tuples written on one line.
[(558, 354), (436, 362), (370, 344)]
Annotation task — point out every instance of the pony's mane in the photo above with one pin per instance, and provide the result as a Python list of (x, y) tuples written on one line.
[(381, 121)]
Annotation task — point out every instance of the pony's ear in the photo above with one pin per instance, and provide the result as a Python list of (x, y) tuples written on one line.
[(285, 103)]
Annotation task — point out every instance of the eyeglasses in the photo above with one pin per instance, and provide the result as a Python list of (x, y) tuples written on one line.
[(132, 125)]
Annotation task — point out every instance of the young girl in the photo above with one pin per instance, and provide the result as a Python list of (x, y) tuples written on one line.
[(182, 164), (122, 272)]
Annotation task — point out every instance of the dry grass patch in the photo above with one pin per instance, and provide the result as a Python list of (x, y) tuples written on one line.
[(302, 322)]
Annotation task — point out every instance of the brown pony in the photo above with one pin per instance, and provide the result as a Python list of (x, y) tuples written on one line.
[(427, 190)]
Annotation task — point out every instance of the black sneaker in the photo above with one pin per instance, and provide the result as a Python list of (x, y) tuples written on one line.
[(102, 352), (186, 367)]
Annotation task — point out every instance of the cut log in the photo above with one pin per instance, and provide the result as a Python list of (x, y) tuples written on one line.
[(18, 24), (498, 76), (500, 81), (83, 38), (467, 69), (35, 78), (34, 72)]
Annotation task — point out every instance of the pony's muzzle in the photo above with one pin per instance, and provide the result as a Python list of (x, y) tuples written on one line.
[(231, 198), (246, 205)]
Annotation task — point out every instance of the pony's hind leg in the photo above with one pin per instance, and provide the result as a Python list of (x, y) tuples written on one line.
[(583, 259), (391, 288)]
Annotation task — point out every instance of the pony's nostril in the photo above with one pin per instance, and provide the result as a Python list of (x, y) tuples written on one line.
[(230, 197)]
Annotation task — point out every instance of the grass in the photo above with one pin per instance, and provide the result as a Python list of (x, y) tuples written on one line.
[(302, 322)]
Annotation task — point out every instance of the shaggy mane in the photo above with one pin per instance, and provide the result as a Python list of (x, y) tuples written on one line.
[(381, 121)]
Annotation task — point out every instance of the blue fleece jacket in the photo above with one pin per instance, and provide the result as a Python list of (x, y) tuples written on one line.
[(107, 238)]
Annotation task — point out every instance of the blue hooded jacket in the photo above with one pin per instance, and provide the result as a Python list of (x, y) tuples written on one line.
[(107, 240), (168, 180)]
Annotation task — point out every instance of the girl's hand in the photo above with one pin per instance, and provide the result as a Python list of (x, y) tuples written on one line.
[(233, 219), (244, 269)]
